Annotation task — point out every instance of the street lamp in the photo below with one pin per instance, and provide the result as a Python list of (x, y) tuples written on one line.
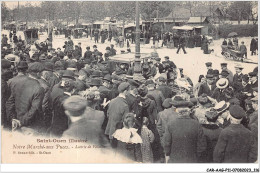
[(137, 65)]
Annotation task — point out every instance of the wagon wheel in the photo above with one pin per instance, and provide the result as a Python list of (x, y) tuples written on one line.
[(227, 55)]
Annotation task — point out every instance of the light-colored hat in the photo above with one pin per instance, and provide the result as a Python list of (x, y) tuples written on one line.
[(221, 106), (222, 83), (239, 66)]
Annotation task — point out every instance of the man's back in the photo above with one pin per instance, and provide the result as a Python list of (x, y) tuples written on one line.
[(181, 143), (235, 145), (166, 91), (28, 97)]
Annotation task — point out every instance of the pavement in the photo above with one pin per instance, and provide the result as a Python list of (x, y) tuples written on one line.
[(193, 62)]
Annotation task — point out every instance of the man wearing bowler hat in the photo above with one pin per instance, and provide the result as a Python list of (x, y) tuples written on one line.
[(182, 144), (236, 143), (65, 89)]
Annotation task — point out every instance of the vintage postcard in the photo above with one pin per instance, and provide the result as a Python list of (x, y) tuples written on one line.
[(130, 82)]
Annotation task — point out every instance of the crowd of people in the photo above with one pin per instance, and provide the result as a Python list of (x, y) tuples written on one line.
[(156, 117)]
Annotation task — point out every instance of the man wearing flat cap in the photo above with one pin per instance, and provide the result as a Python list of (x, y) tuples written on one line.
[(156, 94), (26, 101), (82, 127), (236, 144), (182, 144), (230, 74), (237, 80), (117, 109), (209, 67)]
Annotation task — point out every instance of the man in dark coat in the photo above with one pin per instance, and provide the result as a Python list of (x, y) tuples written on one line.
[(166, 90), (156, 94), (230, 74), (46, 104), (181, 44), (26, 101), (164, 117), (253, 46), (208, 87), (60, 120), (236, 143), (253, 79), (6, 74), (253, 119), (87, 55), (96, 34), (81, 127), (237, 80), (112, 50), (159, 65), (211, 131), (183, 145), (118, 107)]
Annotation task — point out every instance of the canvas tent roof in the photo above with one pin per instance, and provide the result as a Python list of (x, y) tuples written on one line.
[(185, 27)]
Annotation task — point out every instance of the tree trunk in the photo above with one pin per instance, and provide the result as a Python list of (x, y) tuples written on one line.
[(239, 17)]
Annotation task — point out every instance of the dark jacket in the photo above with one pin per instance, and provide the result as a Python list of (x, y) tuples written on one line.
[(46, 103), (235, 145), (182, 144), (25, 103), (60, 121), (163, 117), (118, 107), (237, 82), (253, 124), (211, 132), (204, 88), (5, 93), (85, 129), (166, 91), (158, 98)]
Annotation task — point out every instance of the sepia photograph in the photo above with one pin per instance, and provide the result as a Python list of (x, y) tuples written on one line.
[(136, 82)]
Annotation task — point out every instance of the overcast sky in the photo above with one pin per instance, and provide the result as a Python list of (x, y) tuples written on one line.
[(14, 4)]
